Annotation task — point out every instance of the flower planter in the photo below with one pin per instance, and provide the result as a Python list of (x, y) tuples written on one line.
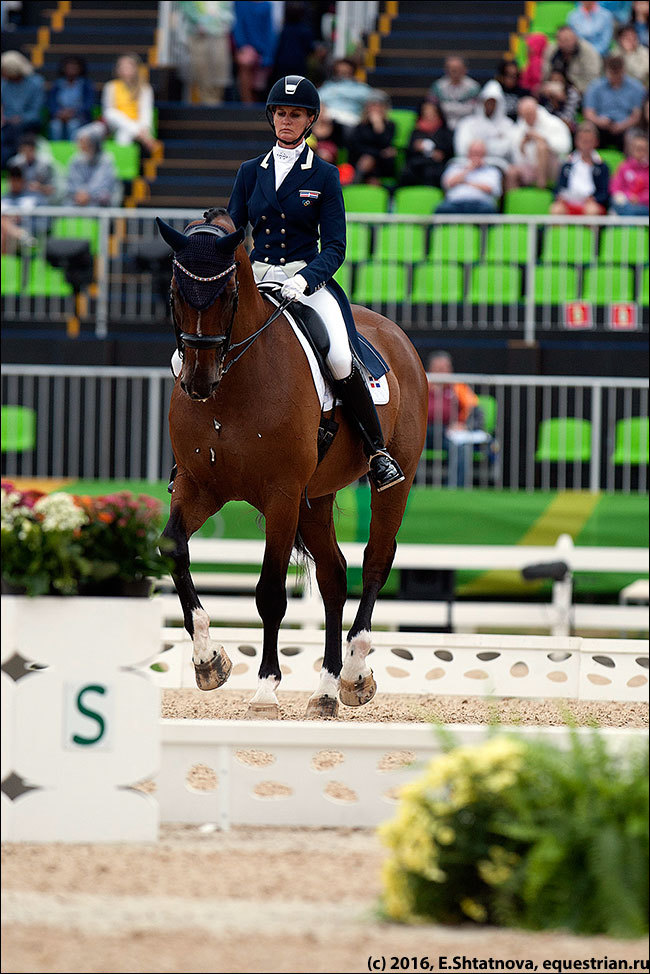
[(79, 723)]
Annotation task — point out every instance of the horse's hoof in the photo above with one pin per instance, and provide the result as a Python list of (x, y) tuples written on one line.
[(322, 707), (357, 693), (214, 673), (263, 711)]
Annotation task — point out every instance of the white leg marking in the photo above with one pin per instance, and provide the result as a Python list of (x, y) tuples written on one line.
[(265, 692), (355, 666), (204, 647), (328, 686)]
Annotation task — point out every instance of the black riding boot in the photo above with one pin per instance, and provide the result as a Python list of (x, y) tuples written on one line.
[(384, 472)]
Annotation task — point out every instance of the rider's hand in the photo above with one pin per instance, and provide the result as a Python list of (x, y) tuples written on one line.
[(294, 287)]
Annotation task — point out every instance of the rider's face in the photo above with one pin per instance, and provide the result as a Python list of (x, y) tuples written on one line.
[(290, 123)]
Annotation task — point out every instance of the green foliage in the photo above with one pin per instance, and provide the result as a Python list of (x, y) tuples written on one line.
[(518, 832)]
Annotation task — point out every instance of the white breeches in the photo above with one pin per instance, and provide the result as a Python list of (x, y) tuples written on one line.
[(339, 358)]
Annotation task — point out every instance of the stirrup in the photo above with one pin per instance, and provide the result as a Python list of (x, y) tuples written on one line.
[(384, 471), (172, 478)]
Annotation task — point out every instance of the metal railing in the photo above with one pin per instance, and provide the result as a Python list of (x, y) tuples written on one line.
[(112, 423), (519, 274)]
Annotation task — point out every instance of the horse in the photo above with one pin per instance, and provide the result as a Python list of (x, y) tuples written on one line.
[(243, 419)]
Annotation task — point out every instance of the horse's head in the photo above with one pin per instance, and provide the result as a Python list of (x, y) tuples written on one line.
[(203, 297)]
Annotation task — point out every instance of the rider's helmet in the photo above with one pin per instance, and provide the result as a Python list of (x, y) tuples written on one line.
[(297, 92)]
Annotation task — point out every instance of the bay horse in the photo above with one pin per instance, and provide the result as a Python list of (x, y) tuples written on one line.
[(250, 433)]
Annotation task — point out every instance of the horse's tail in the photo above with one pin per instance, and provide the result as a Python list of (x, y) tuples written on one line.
[(301, 557)]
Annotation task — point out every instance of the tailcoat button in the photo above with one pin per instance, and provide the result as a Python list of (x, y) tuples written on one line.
[(282, 260), (283, 230), (267, 246), (283, 246), (267, 230), (266, 260), (283, 216)]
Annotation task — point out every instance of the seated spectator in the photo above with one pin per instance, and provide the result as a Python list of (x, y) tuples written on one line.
[(593, 23), (583, 185), (23, 95), (255, 39), (629, 186), (371, 145), (471, 185), (127, 104), (70, 100), (490, 124), (634, 54), (19, 192), (344, 96), (539, 141), (430, 149), (455, 92), (576, 58), (329, 137), (91, 178), (295, 43), (207, 28), (531, 76), (559, 97), (640, 15), (613, 103), (37, 168), (453, 408), (508, 77)]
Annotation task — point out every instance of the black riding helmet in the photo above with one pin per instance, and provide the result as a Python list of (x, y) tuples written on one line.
[(294, 91)]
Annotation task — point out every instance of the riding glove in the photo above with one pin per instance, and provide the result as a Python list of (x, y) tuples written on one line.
[(294, 287)]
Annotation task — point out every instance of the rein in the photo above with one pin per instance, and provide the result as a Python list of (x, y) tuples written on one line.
[(247, 342)]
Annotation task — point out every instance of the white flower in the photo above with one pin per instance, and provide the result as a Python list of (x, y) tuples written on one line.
[(59, 513)]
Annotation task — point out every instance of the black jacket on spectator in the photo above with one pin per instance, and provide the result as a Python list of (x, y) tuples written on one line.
[(421, 168), (365, 141)]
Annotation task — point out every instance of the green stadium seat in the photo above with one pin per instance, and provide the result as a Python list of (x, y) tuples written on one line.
[(568, 245), (645, 287), (564, 440), (126, 157), (631, 441), (404, 119), (549, 16), (416, 200), (378, 281), (613, 158), (460, 242), (528, 201), (405, 242), (18, 429), (343, 277), (624, 245), (62, 152), (606, 283), (437, 284), (488, 405), (365, 199), (358, 242), (47, 281), (507, 243), (11, 274), (495, 284), (555, 285), (78, 228)]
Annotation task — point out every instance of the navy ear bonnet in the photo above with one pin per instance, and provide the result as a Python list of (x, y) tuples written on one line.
[(204, 260)]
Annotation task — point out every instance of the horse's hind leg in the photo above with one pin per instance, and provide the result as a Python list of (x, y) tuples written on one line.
[(212, 665), (316, 526), (357, 682)]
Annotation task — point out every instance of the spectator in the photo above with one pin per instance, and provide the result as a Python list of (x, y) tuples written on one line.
[(455, 92), (629, 187), (531, 76), (471, 185), (329, 137), (295, 43), (344, 96), (645, 116), (91, 178), (19, 192), (613, 103), (508, 77), (619, 9), (490, 125), (539, 141), (576, 58), (559, 97), (430, 149), (255, 40), (583, 186), (634, 54), (371, 146), (23, 98), (640, 14), (453, 409), (127, 104), (593, 23), (38, 170), (207, 27), (70, 100)]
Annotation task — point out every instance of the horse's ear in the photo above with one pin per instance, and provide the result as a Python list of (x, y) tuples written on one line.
[(174, 238), (230, 243)]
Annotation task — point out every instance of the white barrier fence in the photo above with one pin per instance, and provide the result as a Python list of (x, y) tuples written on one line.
[(112, 422)]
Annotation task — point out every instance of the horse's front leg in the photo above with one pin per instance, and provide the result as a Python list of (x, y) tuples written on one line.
[(212, 665), (271, 599)]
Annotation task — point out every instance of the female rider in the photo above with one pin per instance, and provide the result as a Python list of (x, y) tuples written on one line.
[(293, 199)]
